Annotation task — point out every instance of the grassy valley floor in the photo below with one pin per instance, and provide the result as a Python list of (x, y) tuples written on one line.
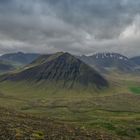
[(108, 114)]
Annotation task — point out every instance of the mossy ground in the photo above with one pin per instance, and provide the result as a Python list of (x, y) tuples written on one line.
[(115, 111)]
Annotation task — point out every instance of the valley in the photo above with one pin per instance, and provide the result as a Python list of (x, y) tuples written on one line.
[(70, 70), (53, 87), (113, 111)]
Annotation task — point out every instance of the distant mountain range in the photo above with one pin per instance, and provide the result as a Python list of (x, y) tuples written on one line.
[(19, 58), (136, 60), (61, 69), (102, 62), (5, 66), (106, 62)]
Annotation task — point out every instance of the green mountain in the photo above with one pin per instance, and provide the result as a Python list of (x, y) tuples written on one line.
[(61, 69)]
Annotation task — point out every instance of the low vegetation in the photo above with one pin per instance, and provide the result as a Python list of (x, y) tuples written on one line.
[(40, 108), (135, 90), (19, 126), (115, 112)]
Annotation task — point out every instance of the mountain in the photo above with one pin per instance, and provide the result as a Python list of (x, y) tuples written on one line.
[(136, 60), (19, 58), (109, 61), (59, 68), (5, 66)]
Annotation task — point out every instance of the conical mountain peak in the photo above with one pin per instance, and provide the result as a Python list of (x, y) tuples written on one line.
[(61, 67)]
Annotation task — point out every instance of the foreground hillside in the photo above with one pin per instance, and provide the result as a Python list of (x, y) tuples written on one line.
[(19, 126), (114, 111)]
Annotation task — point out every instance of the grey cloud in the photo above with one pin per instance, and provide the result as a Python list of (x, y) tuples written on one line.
[(77, 26)]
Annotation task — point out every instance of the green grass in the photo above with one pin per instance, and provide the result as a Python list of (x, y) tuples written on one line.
[(114, 110), (135, 90), (18, 125)]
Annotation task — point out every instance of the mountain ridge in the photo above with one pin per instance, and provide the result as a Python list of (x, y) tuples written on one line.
[(109, 61), (62, 67), (5, 66), (136, 60), (19, 57)]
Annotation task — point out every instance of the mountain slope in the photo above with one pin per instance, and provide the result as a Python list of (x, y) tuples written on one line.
[(60, 68), (136, 60), (5, 66), (109, 61), (20, 58)]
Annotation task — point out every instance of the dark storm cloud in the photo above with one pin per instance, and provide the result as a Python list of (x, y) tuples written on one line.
[(77, 26)]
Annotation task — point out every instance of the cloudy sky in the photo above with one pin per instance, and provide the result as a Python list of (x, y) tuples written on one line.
[(76, 26)]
